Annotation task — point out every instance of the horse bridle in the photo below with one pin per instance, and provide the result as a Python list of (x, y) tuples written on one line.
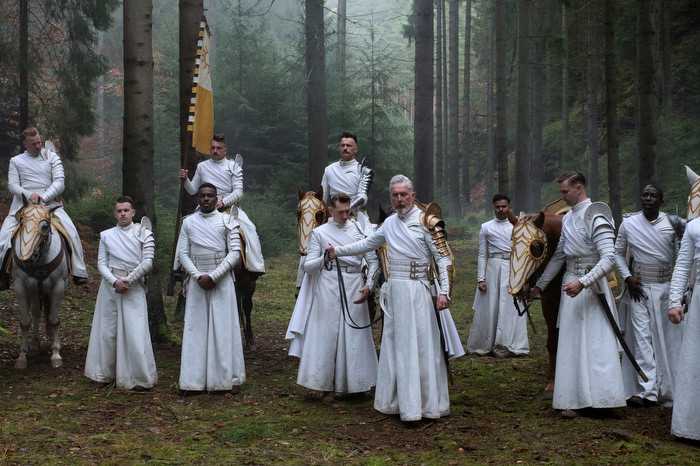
[(345, 309)]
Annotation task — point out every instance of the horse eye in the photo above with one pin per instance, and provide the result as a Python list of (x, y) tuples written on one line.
[(319, 217), (43, 227), (537, 249)]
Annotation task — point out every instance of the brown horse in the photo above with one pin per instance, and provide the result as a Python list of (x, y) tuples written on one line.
[(535, 237)]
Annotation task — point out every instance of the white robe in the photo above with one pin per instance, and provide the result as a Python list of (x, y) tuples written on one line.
[(120, 348), (653, 339), (588, 372), (412, 377), (344, 178), (41, 174), (685, 421), (212, 349), (334, 356), (227, 176), (496, 328)]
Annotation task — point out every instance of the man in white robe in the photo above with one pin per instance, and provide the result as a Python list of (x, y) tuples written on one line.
[(208, 249), (344, 177), (227, 176), (650, 240), (120, 349), (497, 328), (685, 421), (588, 372), (412, 376), (336, 356), (38, 174)]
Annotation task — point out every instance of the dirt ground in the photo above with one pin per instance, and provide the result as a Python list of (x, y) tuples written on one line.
[(498, 410)]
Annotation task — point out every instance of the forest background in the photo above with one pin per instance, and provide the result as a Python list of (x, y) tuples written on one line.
[(606, 87)]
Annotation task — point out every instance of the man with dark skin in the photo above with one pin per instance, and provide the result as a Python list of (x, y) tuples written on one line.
[(208, 249), (650, 241)]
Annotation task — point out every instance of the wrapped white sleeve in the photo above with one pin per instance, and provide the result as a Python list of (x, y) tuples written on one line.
[(232, 258), (314, 255), (603, 237), (148, 253), (237, 194), (103, 264), (183, 254), (681, 271), (621, 252), (57, 176), (481, 261)]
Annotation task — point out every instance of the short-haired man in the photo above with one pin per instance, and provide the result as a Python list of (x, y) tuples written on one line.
[(335, 343), (38, 175), (651, 241), (208, 249), (588, 372), (348, 176), (227, 176), (412, 374), (120, 349), (497, 329)]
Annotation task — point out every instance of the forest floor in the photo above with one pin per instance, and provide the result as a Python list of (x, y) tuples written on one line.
[(499, 413)]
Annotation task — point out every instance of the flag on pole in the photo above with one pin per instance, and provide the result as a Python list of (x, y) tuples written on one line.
[(201, 117)]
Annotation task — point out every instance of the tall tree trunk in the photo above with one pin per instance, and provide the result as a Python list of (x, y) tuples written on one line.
[(564, 156), (538, 77), (611, 113), (501, 99), (665, 56), (490, 117), (138, 165), (423, 122), (440, 181), (647, 111), (466, 133), (316, 91), (524, 111), (592, 117), (23, 64), (453, 181), (341, 26), (445, 103)]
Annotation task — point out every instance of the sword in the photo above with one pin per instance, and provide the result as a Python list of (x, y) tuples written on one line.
[(608, 313)]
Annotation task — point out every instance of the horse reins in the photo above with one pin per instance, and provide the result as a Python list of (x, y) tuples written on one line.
[(328, 265)]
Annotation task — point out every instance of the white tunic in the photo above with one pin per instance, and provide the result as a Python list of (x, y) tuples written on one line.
[(653, 339), (41, 174), (685, 421), (588, 372), (334, 356), (227, 176), (120, 348), (212, 350), (412, 377), (344, 178), (497, 328)]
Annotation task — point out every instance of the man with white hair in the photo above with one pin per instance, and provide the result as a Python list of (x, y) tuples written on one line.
[(412, 376)]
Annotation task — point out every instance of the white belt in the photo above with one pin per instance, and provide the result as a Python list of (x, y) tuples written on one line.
[(208, 262), (501, 255), (346, 269), (652, 273), (413, 270), (580, 265)]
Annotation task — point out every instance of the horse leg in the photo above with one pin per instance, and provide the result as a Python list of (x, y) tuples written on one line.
[(52, 306), (550, 309), (247, 298), (35, 306), (25, 321)]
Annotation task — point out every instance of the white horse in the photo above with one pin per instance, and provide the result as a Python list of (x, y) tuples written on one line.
[(694, 196), (40, 271)]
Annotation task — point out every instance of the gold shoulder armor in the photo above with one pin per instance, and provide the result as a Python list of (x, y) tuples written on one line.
[(431, 220)]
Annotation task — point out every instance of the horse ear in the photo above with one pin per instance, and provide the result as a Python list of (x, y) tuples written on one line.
[(692, 176), (512, 218), (54, 208), (300, 193), (319, 193), (25, 202), (539, 221)]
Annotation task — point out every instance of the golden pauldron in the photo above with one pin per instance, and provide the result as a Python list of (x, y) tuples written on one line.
[(431, 220)]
